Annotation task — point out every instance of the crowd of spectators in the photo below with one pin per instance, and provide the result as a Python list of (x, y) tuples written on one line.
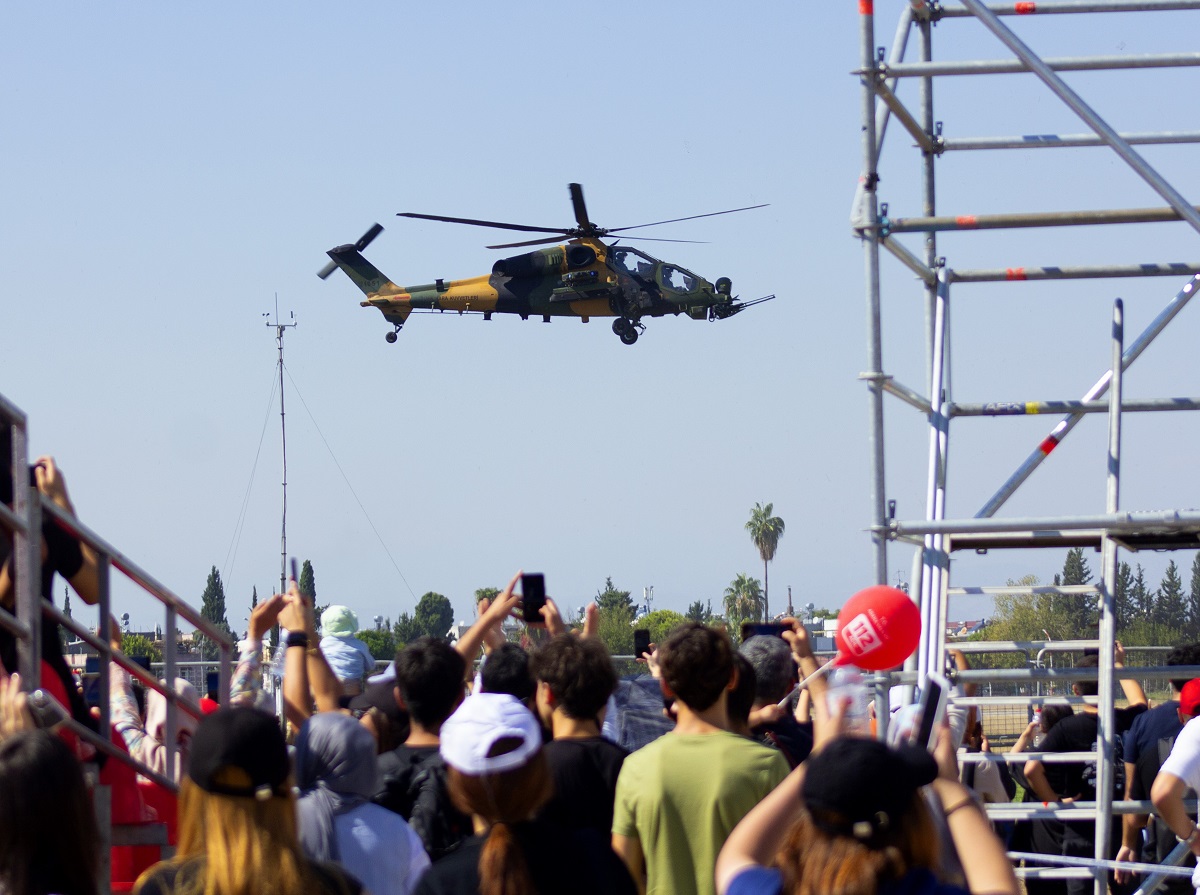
[(439, 777)]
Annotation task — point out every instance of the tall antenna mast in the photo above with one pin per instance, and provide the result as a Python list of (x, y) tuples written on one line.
[(279, 329)]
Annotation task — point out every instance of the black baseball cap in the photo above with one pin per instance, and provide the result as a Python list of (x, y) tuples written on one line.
[(242, 739), (860, 788)]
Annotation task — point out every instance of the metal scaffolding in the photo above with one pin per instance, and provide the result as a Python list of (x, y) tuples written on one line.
[(936, 536)]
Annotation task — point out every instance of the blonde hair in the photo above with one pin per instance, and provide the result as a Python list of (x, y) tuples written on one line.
[(249, 847), (817, 862)]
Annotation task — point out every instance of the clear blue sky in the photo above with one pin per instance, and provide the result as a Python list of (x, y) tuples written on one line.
[(169, 170)]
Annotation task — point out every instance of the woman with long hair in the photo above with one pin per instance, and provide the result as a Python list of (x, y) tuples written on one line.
[(497, 773), (852, 821), (48, 839), (237, 818)]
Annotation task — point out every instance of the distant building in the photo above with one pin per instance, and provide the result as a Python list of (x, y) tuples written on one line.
[(963, 630)]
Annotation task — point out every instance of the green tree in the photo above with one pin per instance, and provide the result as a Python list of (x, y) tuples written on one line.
[(1026, 616), (611, 599), (382, 644), (1193, 621), (254, 598), (700, 612), (1082, 610), (1147, 632), (1122, 599), (765, 531), (140, 645), (486, 593), (64, 635), (616, 630), (824, 613), (660, 623), (434, 615), (212, 608), (1170, 606), (743, 602), (307, 585), (405, 630), (1141, 598)]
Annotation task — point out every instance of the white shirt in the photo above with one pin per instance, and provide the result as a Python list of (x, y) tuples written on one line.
[(380, 849)]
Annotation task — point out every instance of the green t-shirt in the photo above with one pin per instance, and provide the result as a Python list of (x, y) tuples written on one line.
[(681, 795)]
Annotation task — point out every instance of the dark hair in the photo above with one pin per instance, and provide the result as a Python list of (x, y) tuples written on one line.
[(697, 664), (429, 673), (774, 667), (1053, 712), (55, 846), (503, 799), (1185, 654), (741, 697), (579, 672), (1088, 688), (507, 671)]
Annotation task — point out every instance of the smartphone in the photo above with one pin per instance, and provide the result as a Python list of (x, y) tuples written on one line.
[(934, 693), (295, 574), (641, 642), (533, 597), (767, 629)]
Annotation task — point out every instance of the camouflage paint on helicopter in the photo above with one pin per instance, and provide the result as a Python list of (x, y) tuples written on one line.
[(583, 278)]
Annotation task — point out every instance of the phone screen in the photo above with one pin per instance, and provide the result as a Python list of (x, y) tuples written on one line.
[(641, 642), (933, 710), (533, 596), (767, 629)]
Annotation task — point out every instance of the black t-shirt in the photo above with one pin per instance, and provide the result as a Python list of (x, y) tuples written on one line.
[(1078, 734), (561, 862), (168, 878), (585, 782)]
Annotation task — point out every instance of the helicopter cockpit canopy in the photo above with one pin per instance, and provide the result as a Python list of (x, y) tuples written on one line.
[(676, 279), (634, 262)]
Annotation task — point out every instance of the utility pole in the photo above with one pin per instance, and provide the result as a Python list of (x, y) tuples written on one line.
[(791, 612), (279, 330)]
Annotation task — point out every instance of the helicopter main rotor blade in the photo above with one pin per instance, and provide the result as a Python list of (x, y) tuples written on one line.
[(651, 239), (531, 242), (689, 218), (475, 223), (577, 203)]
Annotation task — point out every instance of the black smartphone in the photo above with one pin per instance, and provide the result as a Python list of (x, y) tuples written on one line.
[(767, 629), (295, 574), (641, 642), (533, 597), (933, 709)]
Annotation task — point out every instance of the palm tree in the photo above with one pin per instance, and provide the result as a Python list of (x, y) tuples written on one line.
[(743, 600), (765, 531)]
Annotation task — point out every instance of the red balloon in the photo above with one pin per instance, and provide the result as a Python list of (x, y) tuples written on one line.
[(878, 628)]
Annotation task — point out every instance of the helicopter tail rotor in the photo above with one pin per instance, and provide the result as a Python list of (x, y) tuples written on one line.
[(363, 241)]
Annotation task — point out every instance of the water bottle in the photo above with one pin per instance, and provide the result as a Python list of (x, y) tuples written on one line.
[(846, 688)]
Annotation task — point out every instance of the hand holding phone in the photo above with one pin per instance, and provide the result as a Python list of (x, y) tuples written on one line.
[(533, 597), (933, 711), (641, 643)]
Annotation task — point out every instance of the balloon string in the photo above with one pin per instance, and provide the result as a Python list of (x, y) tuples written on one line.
[(823, 670)]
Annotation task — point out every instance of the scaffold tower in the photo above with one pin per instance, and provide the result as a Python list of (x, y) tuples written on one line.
[(900, 243)]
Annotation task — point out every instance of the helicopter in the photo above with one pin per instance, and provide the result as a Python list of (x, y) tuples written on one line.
[(585, 277)]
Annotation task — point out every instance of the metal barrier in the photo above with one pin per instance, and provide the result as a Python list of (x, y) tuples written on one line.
[(24, 521)]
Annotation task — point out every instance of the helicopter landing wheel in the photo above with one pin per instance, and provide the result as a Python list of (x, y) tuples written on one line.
[(391, 338), (629, 336), (621, 325)]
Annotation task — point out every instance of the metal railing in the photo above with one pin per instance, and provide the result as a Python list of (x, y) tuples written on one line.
[(24, 521)]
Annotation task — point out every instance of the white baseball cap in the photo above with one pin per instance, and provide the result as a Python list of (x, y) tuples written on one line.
[(470, 735)]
